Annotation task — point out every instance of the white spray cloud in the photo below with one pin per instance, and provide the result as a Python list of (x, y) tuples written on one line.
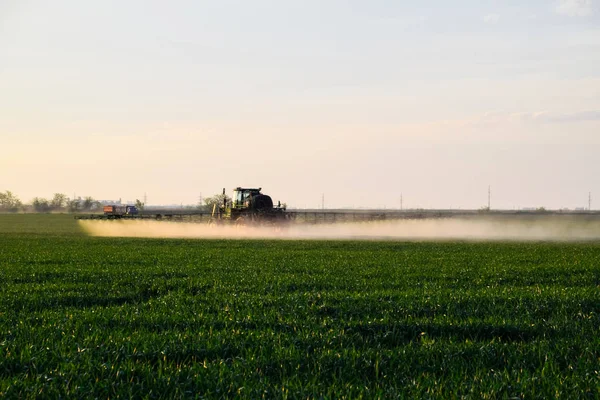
[(505, 229)]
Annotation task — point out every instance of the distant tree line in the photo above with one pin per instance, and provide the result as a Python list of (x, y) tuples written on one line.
[(60, 202), (9, 202)]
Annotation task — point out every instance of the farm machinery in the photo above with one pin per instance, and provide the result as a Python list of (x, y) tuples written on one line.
[(248, 207)]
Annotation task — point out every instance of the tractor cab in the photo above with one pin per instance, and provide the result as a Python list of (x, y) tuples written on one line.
[(242, 197)]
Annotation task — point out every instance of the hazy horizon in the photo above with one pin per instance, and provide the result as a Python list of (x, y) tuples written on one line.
[(363, 102)]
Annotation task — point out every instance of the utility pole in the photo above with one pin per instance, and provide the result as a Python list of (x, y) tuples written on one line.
[(200, 199), (323, 201), (401, 200), (590, 201), (489, 197), (145, 199)]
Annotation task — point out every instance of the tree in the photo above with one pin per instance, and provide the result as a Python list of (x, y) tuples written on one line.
[(139, 205), (218, 199), (9, 202), (73, 205), (40, 204), (59, 201), (89, 204)]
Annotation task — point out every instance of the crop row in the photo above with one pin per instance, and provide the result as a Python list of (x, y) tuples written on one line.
[(112, 317)]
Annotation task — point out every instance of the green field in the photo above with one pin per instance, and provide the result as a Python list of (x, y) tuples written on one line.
[(108, 318)]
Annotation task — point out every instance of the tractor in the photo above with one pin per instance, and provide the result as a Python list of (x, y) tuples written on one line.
[(249, 207)]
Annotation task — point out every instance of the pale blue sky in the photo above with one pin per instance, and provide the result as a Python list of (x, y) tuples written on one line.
[(359, 100)]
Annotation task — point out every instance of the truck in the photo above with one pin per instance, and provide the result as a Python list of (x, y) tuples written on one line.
[(118, 211)]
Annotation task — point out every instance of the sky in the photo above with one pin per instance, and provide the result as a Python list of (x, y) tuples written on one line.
[(360, 101)]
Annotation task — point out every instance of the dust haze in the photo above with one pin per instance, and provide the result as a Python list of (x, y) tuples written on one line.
[(475, 229)]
